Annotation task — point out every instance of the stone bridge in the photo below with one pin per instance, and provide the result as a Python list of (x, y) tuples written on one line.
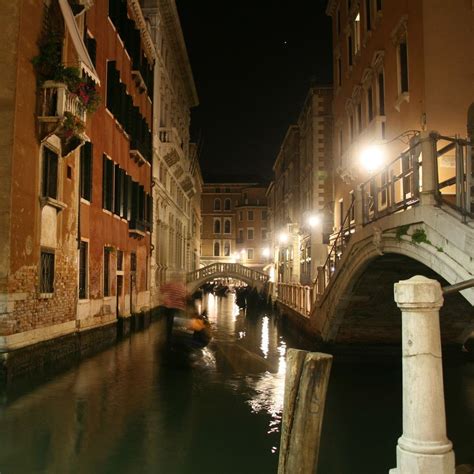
[(406, 222), (252, 277)]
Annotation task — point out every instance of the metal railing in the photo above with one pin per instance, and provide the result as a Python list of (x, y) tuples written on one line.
[(296, 296), (394, 188), (455, 189)]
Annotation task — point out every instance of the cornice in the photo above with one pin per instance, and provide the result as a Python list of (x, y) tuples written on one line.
[(137, 14), (171, 21)]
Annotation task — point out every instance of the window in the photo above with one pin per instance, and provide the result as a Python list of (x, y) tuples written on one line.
[(338, 21), (227, 248), (341, 146), (341, 212), (370, 105), (264, 215), (217, 249), (107, 183), (218, 190), (217, 204), (83, 269), (349, 50), (227, 205), (249, 254), (241, 235), (47, 271), (264, 234), (241, 216), (339, 71), (352, 213), (227, 190), (379, 5), (368, 15), (120, 260), (107, 252), (133, 262), (250, 215), (118, 188), (356, 27), (49, 185), (381, 93), (359, 117), (217, 226), (85, 178), (351, 127), (403, 66), (91, 46), (249, 234), (227, 226)]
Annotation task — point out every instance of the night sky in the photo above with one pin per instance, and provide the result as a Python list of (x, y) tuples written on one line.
[(253, 62)]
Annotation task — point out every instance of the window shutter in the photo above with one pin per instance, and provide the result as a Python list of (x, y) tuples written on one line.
[(118, 190)]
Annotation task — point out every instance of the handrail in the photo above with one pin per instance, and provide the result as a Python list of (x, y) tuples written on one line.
[(224, 267), (458, 286)]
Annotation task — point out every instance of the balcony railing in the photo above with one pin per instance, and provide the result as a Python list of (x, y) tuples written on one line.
[(55, 100), (297, 297)]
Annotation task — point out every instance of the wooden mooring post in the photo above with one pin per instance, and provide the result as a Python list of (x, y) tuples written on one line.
[(306, 381)]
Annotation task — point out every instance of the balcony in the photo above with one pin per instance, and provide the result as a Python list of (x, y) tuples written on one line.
[(62, 113), (171, 145)]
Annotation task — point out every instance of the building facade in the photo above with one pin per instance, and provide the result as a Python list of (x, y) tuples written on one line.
[(235, 224), (302, 191), (176, 174), (100, 188), (393, 70)]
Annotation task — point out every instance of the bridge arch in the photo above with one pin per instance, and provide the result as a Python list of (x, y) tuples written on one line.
[(199, 277), (358, 304)]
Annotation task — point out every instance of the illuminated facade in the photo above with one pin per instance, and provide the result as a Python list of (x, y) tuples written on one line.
[(302, 191), (176, 174), (399, 68), (235, 224)]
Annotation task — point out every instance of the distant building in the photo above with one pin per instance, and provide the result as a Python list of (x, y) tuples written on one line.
[(302, 191), (399, 68), (235, 224), (176, 174)]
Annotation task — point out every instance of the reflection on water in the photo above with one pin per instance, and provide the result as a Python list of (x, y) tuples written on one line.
[(124, 411)]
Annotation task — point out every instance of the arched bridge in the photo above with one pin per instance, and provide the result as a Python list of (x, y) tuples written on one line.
[(405, 220), (252, 277)]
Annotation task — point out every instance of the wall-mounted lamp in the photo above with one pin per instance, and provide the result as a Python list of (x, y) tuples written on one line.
[(372, 158)]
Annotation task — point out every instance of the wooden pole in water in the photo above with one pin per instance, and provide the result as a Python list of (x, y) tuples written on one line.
[(306, 381)]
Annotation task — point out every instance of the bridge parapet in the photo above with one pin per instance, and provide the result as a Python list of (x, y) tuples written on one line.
[(232, 270)]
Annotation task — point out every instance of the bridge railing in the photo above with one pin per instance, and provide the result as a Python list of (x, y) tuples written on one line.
[(218, 269), (395, 188), (298, 297), (455, 188)]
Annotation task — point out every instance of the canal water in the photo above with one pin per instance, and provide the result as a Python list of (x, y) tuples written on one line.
[(127, 411)]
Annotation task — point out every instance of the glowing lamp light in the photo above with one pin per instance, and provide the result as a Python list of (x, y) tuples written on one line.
[(314, 220), (266, 252), (372, 158), (283, 238)]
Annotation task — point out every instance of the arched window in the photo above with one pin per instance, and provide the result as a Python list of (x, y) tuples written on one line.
[(217, 249), (227, 205), (227, 248), (217, 226), (227, 226), (217, 204)]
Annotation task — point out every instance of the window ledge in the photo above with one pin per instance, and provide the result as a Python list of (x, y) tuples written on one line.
[(45, 296), (403, 97), (85, 201), (58, 205)]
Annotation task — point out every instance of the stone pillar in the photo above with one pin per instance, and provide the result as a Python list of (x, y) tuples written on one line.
[(429, 169), (423, 447)]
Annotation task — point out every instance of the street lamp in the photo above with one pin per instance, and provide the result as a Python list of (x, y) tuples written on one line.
[(313, 220), (372, 157), (266, 252), (283, 237)]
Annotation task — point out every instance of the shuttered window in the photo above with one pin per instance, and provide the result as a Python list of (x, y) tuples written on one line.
[(108, 183), (83, 269), (86, 171), (49, 184)]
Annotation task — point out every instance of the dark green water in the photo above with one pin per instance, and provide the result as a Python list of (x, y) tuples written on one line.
[(124, 411)]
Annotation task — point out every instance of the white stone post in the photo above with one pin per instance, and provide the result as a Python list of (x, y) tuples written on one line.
[(423, 447)]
